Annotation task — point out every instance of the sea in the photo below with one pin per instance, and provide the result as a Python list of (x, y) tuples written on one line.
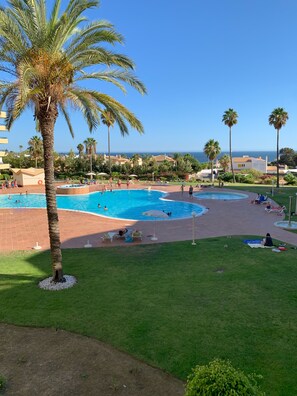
[(201, 157)]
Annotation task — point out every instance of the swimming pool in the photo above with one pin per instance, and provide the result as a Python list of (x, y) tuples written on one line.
[(121, 204), (224, 196)]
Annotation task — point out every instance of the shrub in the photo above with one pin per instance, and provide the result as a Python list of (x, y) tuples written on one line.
[(290, 179), (226, 177), (2, 383), (219, 377)]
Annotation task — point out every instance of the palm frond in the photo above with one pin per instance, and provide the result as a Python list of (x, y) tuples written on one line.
[(67, 118), (114, 75)]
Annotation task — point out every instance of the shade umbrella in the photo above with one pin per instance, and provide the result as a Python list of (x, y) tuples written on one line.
[(133, 176), (156, 214), (91, 174), (102, 174)]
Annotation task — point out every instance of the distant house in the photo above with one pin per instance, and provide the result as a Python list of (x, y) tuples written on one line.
[(116, 160), (119, 160), (246, 162), (159, 159), (272, 170), (28, 177)]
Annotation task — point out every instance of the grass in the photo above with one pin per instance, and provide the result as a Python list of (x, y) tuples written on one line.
[(172, 305)]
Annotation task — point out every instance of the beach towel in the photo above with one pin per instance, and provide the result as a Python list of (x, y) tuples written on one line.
[(252, 241)]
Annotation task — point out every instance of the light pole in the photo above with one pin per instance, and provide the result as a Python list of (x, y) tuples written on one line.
[(290, 209), (193, 230)]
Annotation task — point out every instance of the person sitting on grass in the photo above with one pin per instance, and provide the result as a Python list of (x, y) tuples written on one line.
[(267, 241)]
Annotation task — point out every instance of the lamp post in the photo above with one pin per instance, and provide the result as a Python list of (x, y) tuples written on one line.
[(290, 210), (193, 230)]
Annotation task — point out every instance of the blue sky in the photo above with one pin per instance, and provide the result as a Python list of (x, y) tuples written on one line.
[(197, 59)]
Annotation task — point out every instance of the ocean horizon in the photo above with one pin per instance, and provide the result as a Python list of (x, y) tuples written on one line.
[(199, 155)]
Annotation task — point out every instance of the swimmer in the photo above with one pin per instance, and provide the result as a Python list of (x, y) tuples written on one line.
[(105, 208)]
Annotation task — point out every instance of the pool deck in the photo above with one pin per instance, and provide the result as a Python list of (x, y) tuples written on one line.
[(20, 229)]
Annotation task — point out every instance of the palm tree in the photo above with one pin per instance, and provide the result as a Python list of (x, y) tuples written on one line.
[(91, 145), (278, 119), (225, 162), (35, 148), (212, 149), (108, 119), (230, 119), (48, 54), (80, 147)]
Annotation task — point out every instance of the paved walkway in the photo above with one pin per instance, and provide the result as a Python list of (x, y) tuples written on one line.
[(20, 229)]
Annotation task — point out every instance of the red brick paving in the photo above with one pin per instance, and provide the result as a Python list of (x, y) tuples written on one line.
[(20, 229)]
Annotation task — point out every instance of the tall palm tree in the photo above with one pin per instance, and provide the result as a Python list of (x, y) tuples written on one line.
[(108, 119), (278, 119), (212, 149), (48, 54), (35, 148), (230, 119), (91, 145)]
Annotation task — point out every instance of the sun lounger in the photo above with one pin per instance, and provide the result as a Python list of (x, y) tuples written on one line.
[(136, 235), (106, 238), (276, 209)]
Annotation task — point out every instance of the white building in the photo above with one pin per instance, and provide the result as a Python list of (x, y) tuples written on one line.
[(246, 162)]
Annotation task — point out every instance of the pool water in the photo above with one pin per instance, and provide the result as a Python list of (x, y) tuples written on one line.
[(121, 204), (224, 196)]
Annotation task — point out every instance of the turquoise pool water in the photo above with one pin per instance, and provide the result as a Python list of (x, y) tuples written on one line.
[(220, 195), (121, 204)]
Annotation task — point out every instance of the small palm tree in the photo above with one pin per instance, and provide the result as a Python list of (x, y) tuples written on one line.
[(212, 149), (108, 119), (278, 119), (48, 55), (35, 148), (91, 145), (230, 119), (225, 162), (80, 147)]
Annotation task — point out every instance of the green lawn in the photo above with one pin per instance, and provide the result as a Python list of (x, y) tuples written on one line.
[(169, 305)]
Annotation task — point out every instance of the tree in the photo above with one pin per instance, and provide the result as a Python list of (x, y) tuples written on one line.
[(219, 377), (225, 162), (48, 55), (80, 147), (91, 145), (230, 119), (35, 148), (287, 156), (108, 119), (212, 149), (278, 119)]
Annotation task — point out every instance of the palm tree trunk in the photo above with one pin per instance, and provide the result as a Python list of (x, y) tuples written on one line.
[(277, 158), (91, 163), (47, 119), (109, 161), (211, 167), (230, 152), (35, 162)]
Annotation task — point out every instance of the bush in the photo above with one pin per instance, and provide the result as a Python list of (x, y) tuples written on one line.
[(219, 377), (2, 383), (290, 179), (226, 177)]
